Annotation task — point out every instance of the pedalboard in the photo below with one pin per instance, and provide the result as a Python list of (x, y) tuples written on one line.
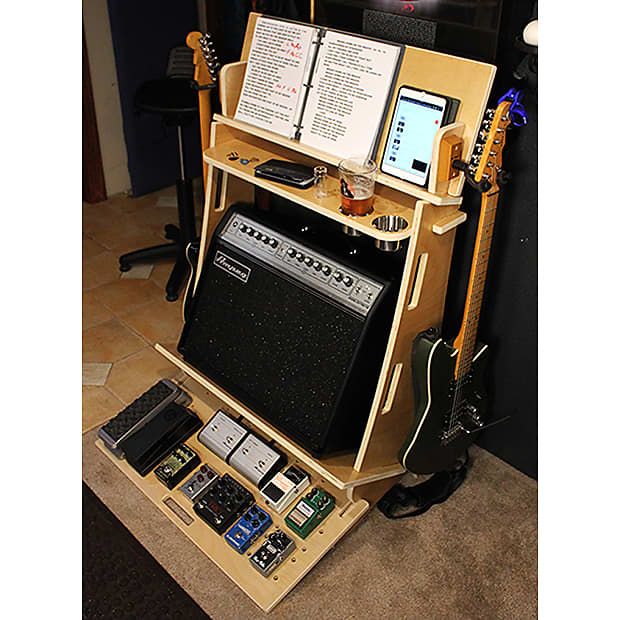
[(272, 553), (248, 528), (223, 503), (139, 412), (177, 466), (257, 461), (310, 511), (284, 487), (222, 435), (197, 485)]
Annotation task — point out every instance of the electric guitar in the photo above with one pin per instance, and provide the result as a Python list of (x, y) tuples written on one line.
[(206, 69), (450, 396)]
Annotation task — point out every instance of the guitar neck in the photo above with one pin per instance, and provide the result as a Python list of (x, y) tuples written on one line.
[(465, 342)]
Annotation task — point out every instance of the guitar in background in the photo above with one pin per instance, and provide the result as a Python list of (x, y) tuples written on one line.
[(450, 395), (206, 69)]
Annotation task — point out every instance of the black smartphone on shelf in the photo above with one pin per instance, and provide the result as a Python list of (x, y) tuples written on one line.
[(286, 172)]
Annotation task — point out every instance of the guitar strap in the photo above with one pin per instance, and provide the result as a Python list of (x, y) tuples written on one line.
[(401, 501)]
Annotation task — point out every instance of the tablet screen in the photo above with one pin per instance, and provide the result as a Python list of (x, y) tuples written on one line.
[(409, 147)]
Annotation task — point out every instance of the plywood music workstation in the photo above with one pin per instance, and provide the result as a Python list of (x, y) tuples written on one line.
[(431, 215)]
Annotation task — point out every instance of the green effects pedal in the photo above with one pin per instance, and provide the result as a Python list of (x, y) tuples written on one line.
[(310, 511), (176, 466)]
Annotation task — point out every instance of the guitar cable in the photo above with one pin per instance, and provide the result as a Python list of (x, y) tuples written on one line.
[(421, 497)]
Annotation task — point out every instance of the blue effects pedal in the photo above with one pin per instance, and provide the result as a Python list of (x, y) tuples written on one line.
[(248, 528)]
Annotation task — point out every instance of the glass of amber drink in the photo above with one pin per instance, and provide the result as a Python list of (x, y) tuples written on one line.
[(357, 185)]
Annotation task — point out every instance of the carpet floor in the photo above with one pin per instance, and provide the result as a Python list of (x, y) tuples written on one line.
[(120, 578), (473, 557)]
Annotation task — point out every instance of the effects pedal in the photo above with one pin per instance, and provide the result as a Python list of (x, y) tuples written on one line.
[(196, 486), (148, 446), (223, 502), (272, 553), (249, 527), (222, 434), (284, 487), (138, 413), (257, 461), (176, 466), (310, 511)]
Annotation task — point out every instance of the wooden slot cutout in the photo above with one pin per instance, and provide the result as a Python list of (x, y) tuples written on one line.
[(395, 378), (418, 280), (221, 182)]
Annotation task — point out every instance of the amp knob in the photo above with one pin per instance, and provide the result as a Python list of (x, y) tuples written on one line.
[(243, 228), (326, 270), (273, 243), (308, 261), (317, 265), (300, 257), (291, 252), (257, 235), (265, 239), (250, 230), (348, 281), (338, 276)]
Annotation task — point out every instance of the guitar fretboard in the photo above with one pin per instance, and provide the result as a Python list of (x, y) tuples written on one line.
[(465, 342)]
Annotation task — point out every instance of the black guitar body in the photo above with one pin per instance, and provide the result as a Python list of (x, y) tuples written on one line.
[(442, 429)]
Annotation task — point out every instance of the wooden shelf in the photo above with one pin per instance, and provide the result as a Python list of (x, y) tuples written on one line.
[(295, 148), (265, 592), (385, 202), (337, 470)]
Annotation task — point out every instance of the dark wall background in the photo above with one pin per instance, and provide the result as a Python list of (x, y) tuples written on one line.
[(143, 32)]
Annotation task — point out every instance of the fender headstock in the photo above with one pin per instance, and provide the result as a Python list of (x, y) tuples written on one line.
[(486, 163), (206, 63)]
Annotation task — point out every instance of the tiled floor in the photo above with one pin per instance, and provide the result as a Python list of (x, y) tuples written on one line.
[(122, 317)]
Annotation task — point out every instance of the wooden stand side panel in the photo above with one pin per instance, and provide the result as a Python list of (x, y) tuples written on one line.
[(419, 307), (221, 190)]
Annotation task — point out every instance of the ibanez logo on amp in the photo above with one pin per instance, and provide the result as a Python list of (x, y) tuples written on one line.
[(231, 266)]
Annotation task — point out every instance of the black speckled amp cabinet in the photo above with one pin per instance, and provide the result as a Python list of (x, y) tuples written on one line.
[(293, 331)]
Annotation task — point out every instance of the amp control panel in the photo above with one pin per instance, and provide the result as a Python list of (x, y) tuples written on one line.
[(339, 282)]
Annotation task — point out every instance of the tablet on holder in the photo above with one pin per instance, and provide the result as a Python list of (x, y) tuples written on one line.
[(416, 118)]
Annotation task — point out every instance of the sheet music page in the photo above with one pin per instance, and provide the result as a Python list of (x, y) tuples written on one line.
[(347, 101), (278, 64)]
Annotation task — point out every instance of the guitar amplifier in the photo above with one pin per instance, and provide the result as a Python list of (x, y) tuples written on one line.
[(292, 330)]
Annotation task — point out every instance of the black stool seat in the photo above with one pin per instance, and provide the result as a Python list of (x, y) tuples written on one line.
[(167, 96), (177, 101)]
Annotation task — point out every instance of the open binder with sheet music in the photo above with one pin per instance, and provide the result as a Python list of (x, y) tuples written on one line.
[(329, 90)]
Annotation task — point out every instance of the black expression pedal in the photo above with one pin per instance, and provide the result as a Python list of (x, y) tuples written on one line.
[(140, 412), (177, 466), (223, 502), (148, 446)]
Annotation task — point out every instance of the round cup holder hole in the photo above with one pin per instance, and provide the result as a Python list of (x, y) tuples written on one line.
[(390, 223)]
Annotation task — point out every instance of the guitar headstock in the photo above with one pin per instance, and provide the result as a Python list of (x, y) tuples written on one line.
[(206, 63), (486, 162)]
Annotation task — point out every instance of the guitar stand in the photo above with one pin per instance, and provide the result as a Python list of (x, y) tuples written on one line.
[(401, 501)]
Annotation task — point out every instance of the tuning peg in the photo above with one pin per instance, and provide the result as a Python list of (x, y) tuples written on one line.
[(490, 113), (486, 125), (503, 176)]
